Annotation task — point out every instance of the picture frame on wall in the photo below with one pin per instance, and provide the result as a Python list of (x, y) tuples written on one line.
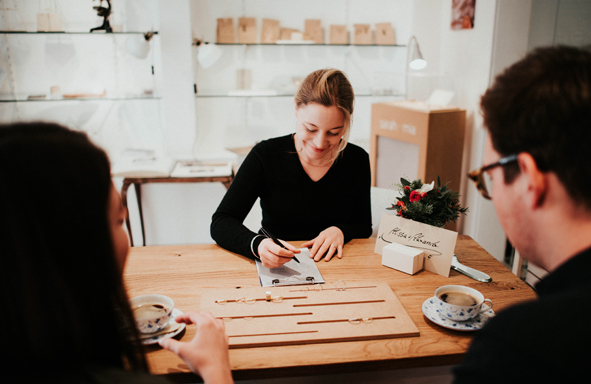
[(462, 14)]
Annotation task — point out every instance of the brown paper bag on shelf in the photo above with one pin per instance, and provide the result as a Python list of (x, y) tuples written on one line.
[(385, 34), (363, 34), (270, 33), (339, 34), (225, 32), (247, 30), (286, 33), (313, 31)]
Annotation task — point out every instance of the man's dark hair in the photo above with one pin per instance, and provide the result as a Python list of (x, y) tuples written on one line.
[(542, 105)]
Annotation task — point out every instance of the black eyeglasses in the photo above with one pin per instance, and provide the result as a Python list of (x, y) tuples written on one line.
[(479, 176)]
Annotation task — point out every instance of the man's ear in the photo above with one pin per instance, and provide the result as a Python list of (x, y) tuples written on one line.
[(536, 181)]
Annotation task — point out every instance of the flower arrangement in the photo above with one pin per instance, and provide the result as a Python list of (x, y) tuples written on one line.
[(427, 203)]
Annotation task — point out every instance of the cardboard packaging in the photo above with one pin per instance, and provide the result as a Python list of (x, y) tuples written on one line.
[(339, 34), (225, 31), (49, 22), (243, 78), (385, 34), (403, 258), (415, 141), (313, 31), (247, 30), (363, 34), (270, 33), (286, 33)]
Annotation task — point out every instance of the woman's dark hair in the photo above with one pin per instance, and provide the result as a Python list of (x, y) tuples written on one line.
[(64, 305), (542, 105)]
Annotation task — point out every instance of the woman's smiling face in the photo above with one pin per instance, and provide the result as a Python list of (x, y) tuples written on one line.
[(318, 132)]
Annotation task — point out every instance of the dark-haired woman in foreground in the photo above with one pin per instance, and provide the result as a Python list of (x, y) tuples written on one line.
[(64, 311)]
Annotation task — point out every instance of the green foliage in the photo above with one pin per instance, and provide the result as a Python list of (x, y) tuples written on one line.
[(436, 207)]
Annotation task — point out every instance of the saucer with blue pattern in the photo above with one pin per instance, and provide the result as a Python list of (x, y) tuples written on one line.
[(432, 313), (162, 334)]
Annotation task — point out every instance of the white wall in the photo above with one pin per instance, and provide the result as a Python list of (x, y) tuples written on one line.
[(509, 46), (464, 58), (181, 213)]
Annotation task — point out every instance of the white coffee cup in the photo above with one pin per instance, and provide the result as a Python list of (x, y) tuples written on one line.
[(460, 303), (152, 313)]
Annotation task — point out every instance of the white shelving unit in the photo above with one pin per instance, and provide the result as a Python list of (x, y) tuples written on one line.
[(227, 119), (98, 86)]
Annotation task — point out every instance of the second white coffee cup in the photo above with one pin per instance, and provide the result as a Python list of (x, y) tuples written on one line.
[(460, 303)]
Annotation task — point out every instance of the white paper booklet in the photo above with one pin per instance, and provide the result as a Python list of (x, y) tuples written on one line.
[(291, 273), (201, 169), (142, 166)]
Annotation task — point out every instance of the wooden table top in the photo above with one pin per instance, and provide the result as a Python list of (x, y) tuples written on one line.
[(181, 272)]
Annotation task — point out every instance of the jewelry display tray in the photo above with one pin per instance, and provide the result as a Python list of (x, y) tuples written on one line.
[(363, 310)]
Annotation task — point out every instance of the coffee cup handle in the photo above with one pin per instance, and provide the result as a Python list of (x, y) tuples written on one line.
[(486, 309)]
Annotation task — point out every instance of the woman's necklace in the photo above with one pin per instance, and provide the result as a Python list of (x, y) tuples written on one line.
[(301, 155), (328, 164)]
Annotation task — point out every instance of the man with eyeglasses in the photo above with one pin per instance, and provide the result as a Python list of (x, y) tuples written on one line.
[(538, 174)]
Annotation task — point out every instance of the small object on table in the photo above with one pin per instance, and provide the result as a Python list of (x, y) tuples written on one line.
[(403, 258), (470, 272)]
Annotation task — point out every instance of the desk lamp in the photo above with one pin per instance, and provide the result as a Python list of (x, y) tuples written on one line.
[(139, 46), (414, 59), (207, 53)]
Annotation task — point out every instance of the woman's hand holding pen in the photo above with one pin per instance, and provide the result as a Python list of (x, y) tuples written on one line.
[(273, 256), (329, 241)]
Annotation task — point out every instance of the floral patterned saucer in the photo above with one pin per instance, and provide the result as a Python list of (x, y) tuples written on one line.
[(155, 339), (430, 310)]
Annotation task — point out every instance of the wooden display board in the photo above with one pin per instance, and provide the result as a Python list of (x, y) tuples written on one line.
[(345, 311)]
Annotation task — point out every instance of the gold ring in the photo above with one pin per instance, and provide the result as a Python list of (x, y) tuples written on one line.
[(333, 245)]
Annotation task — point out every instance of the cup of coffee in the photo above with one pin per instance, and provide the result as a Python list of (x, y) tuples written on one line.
[(152, 313), (460, 303)]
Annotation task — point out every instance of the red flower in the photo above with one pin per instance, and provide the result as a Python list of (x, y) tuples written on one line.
[(400, 203), (415, 196), (407, 188), (423, 194), (400, 213)]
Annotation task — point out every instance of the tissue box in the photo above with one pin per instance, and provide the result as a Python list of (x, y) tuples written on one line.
[(403, 258)]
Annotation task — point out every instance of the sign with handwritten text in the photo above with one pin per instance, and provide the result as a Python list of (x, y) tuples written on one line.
[(437, 243)]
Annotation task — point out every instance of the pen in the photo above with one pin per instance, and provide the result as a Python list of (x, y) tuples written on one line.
[(274, 239)]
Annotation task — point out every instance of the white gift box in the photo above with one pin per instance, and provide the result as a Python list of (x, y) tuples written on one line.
[(403, 258)]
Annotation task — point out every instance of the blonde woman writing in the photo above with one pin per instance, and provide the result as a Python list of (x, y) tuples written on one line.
[(313, 184)]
